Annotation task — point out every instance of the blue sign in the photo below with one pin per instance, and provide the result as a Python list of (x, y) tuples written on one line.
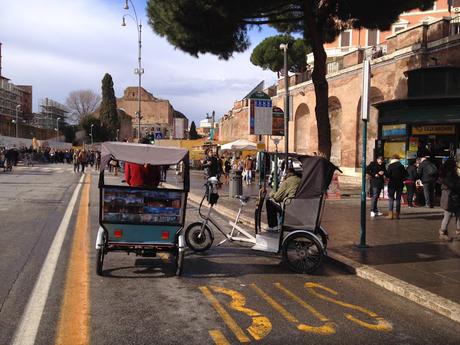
[(158, 135)]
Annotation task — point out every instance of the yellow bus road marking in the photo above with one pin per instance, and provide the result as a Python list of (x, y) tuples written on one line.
[(229, 321), (278, 307), (261, 325), (218, 337), (328, 327), (164, 257), (73, 327), (382, 324)]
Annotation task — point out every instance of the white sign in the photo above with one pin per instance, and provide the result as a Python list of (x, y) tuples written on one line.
[(260, 116)]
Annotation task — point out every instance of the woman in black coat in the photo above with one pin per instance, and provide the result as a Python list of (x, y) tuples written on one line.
[(396, 174), (376, 171), (450, 196)]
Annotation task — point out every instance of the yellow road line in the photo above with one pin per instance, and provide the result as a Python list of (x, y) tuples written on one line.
[(260, 326), (381, 325), (73, 327), (328, 327), (278, 307), (229, 321), (218, 337)]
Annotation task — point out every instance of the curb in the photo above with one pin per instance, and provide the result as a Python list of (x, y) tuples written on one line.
[(411, 292)]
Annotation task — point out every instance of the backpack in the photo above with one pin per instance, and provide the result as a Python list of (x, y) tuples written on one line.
[(431, 171)]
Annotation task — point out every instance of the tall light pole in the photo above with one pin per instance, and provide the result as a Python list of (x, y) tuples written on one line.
[(284, 48), (91, 133), (57, 128), (118, 132), (18, 107), (139, 70)]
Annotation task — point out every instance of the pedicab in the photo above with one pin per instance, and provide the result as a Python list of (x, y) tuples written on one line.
[(142, 220), (301, 240)]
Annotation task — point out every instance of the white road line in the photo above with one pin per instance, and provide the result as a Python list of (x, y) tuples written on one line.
[(27, 331)]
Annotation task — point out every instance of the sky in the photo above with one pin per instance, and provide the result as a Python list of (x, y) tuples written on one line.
[(59, 46)]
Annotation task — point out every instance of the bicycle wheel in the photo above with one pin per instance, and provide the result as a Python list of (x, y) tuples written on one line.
[(302, 252), (197, 241)]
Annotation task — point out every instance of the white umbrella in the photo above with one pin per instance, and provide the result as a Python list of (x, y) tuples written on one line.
[(239, 145)]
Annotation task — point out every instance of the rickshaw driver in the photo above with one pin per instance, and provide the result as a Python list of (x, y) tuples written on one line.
[(138, 175), (286, 190)]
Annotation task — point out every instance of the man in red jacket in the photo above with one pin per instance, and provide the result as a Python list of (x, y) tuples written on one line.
[(138, 175)]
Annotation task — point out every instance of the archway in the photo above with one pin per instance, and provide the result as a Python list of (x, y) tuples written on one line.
[(376, 95), (301, 134), (335, 118)]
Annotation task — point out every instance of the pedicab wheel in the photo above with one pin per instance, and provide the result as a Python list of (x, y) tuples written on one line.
[(100, 257), (179, 262), (302, 252), (197, 241)]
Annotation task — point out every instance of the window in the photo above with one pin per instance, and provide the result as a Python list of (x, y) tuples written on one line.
[(372, 37), (455, 3), (399, 27), (345, 38)]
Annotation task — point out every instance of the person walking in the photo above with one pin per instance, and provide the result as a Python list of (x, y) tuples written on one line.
[(376, 171), (248, 165), (412, 177), (450, 197), (396, 174), (428, 174), (82, 160), (76, 162)]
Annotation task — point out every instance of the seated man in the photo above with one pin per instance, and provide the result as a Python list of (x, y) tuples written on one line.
[(138, 175), (287, 190)]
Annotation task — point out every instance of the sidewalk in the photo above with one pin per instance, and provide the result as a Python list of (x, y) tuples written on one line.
[(404, 256)]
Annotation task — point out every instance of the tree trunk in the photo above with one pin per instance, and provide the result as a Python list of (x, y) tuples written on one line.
[(314, 33)]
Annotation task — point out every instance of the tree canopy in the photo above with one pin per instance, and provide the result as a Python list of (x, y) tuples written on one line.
[(193, 133), (220, 27), (267, 54), (83, 102), (108, 114)]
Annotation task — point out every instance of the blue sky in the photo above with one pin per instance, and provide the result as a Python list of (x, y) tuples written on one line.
[(59, 46)]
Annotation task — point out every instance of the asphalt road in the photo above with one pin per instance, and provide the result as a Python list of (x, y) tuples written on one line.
[(229, 294)]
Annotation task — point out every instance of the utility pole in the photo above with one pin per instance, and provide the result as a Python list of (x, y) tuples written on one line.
[(284, 47)]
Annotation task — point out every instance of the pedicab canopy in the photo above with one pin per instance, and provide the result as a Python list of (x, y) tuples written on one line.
[(141, 154), (317, 173)]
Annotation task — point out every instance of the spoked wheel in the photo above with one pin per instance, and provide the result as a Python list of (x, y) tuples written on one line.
[(197, 241), (179, 262), (302, 253), (100, 257)]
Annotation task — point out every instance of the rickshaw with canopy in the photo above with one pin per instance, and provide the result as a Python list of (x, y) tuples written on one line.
[(301, 240), (142, 220)]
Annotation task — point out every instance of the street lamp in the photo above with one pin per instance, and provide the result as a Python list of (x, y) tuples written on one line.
[(118, 131), (57, 128), (139, 70), (284, 48), (91, 134), (18, 107)]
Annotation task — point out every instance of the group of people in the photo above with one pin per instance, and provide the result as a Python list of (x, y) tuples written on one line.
[(420, 172), (423, 173), (215, 166), (82, 158)]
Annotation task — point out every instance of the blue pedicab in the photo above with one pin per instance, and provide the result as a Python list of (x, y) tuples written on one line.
[(142, 220)]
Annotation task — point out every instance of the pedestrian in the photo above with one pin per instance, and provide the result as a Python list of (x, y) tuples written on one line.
[(412, 177), (376, 171), (227, 168), (248, 166), (98, 160), (82, 160), (211, 164), (396, 174), (428, 174), (76, 162), (450, 197)]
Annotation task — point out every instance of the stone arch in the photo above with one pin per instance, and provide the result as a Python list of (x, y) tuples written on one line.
[(335, 118), (301, 133), (376, 95)]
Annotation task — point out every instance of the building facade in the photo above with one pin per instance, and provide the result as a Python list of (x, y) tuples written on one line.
[(425, 45)]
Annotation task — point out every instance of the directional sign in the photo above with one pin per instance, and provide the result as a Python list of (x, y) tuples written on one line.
[(158, 135)]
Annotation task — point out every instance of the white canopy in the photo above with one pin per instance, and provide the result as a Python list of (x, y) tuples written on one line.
[(239, 145)]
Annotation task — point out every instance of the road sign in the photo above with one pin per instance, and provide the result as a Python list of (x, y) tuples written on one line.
[(158, 135)]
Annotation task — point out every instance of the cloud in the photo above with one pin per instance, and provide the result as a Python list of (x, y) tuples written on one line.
[(60, 46)]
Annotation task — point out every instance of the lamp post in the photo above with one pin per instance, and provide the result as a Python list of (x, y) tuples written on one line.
[(57, 128), (139, 70), (284, 48), (91, 133), (118, 132), (18, 107)]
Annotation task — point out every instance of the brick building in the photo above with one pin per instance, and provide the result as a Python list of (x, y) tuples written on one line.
[(157, 114), (420, 46)]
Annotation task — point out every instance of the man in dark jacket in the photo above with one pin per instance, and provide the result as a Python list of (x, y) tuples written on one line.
[(376, 171), (428, 174), (211, 164), (412, 177), (396, 174)]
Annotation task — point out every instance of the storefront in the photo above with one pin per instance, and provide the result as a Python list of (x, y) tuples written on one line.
[(427, 123)]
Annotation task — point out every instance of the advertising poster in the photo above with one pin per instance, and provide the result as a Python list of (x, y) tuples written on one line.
[(260, 116), (395, 147), (278, 122), (135, 206)]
